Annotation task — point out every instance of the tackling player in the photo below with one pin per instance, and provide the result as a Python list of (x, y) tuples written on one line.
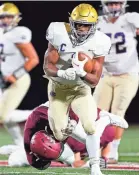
[(18, 57), (69, 85), (119, 84), (38, 120)]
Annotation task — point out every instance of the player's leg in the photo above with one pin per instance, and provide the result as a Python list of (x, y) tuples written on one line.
[(125, 91), (8, 149), (19, 115), (9, 101), (58, 109), (84, 106), (103, 93), (18, 158), (79, 133), (15, 132), (67, 155)]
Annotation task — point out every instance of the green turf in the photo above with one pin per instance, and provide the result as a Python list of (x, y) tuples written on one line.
[(128, 159), (59, 171), (130, 140)]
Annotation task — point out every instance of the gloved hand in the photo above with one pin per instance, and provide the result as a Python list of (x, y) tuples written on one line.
[(103, 162), (79, 65), (70, 128), (68, 74)]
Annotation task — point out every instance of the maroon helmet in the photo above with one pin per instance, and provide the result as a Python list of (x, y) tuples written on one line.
[(45, 146)]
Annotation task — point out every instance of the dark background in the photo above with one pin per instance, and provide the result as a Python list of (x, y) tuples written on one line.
[(37, 15)]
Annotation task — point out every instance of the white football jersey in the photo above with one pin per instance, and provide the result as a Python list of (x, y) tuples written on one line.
[(10, 56), (123, 56), (97, 45)]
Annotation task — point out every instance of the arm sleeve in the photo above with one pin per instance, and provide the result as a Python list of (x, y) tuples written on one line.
[(50, 33), (133, 18), (21, 35), (103, 48)]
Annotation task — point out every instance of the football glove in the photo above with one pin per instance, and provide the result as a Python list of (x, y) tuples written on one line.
[(79, 65), (68, 74)]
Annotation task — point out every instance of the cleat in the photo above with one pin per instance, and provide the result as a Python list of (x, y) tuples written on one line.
[(95, 170), (95, 167)]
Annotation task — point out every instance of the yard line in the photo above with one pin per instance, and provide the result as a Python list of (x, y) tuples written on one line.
[(129, 154), (49, 173)]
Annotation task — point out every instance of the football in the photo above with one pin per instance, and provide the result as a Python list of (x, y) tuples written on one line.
[(89, 65)]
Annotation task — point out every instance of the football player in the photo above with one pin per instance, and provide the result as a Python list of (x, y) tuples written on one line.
[(119, 84), (38, 120), (79, 148), (69, 85), (18, 57)]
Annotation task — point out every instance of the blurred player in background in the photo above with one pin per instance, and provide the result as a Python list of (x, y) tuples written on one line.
[(69, 85), (119, 85), (17, 58)]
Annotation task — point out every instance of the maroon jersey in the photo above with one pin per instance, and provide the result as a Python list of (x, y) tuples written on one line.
[(37, 121), (107, 137)]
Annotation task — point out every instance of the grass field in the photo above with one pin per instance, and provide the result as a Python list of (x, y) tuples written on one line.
[(128, 150), (60, 171)]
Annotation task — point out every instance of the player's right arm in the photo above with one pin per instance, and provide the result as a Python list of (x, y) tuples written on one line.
[(49, 66), (52, 56)]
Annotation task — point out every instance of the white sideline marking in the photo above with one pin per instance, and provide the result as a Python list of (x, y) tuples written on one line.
[(54, 173), (51, 173), (129, 154)]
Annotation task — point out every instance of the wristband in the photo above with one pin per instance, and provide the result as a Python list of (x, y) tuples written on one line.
[(19, 72), (60, 73)]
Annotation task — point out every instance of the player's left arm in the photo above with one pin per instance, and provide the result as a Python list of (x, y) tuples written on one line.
[(132, 18), (102, 49), (23, 43), (93, 77)]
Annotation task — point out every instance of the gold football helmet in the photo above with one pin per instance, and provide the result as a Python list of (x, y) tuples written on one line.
[(83, 15), (9, 10)]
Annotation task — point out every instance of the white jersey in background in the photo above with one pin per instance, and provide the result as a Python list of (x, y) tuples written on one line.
[(123, 57), (11, 57), (57, 35)]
